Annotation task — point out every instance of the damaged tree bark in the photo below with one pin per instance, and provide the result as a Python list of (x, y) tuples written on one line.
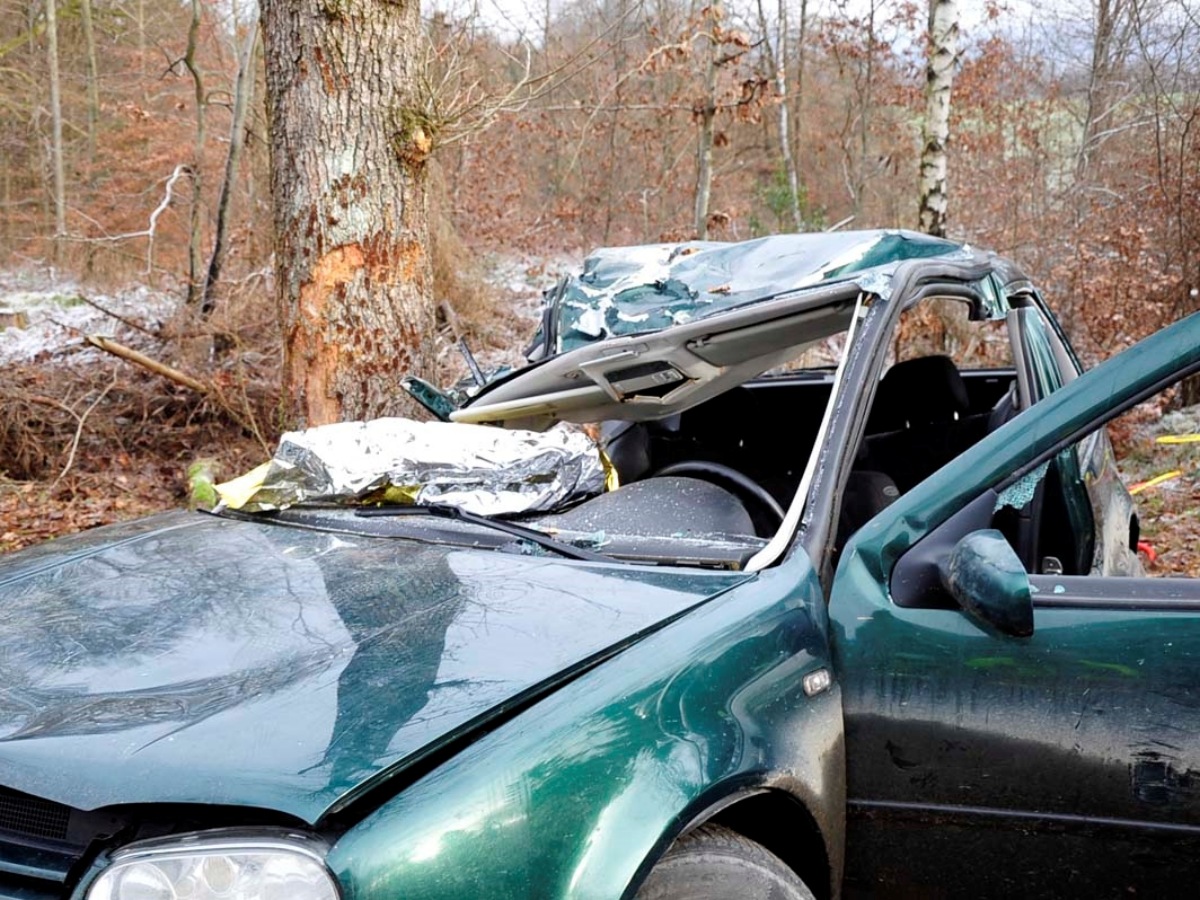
[(348, 154), (939, 79)]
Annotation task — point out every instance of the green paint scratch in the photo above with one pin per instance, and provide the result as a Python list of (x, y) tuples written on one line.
[(1120, 669)]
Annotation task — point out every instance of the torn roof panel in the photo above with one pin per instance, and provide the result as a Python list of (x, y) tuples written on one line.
[(633, 290)]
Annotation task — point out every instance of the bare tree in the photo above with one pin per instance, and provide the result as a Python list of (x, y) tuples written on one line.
[(349, 147), (93, 81), (242, 92), (777, 64), (56, 126), (706, 113), (939, 80), (197, 221)]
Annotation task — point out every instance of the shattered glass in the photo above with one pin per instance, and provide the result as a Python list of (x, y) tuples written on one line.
[(1020, 492)]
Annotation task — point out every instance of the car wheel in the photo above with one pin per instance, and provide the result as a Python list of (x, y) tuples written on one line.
[(714, 863)]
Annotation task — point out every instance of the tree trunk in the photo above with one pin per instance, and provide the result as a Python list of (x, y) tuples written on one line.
[(708, 112), (349, 147), (141, 36), (777, 63), (939, 78), (242, 91), (56, 125), (801, 60), (1108, 14), (93, 84), (618, 58), (196, 222)]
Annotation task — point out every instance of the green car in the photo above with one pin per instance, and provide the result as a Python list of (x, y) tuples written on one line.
[(865, 617)]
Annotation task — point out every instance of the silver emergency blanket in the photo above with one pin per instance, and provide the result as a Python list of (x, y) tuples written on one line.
[(477, 468)]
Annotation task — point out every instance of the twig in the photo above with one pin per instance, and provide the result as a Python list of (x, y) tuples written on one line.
[(140, 359), (124, 321), (80, 420), (151, 230)]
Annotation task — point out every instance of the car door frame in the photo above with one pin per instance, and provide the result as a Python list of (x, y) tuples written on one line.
[(960, 498), (976, 281)]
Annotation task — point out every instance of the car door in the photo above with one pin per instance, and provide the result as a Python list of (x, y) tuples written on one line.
[(1065, 763)]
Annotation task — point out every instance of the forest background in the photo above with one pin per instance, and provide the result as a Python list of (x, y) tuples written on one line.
[(143, 212)]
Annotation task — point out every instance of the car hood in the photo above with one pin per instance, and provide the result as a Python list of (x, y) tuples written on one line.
[(194, 659)]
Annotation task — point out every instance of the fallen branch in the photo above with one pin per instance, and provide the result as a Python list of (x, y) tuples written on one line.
[(129, 323), (140, 359), (213, 391)]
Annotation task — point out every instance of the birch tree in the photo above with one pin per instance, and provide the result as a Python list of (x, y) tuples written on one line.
[(939, 79), (777, 63), (706, 114), (56, 129)]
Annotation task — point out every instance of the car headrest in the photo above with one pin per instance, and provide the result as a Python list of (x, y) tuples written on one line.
[(923, 391)]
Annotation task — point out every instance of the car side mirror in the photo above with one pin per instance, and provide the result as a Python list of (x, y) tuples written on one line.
[(988, 580)]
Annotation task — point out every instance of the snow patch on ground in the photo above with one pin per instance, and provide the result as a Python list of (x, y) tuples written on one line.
[(517, 284), (521, 279), (43, 318)]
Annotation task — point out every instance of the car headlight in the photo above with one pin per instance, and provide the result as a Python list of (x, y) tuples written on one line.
[(207, 867)]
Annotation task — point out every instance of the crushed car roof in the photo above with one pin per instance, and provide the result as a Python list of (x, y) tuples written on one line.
[(633, 290), (647, 331)]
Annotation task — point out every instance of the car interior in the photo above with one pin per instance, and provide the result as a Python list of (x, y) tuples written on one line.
[(731, 465), (705, 447)]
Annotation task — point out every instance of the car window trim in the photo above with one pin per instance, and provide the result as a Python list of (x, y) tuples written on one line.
[(1083, 431), (1116, 593)]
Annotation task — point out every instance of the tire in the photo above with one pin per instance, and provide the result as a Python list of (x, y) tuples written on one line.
[(714, 863)]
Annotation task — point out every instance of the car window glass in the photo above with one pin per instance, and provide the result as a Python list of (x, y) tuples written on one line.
[(1120, 502), (1041, 355)]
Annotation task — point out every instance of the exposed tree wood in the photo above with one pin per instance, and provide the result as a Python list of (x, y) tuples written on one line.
[(140, 359), (349, 146), (939, 80)]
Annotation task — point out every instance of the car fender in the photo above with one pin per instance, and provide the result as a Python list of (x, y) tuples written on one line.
[(579, 794)]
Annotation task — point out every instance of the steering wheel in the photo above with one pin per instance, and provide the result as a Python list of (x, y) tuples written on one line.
[(747, 490)]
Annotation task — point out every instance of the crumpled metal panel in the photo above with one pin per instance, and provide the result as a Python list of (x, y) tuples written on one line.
[(477, 468), (631, 290)]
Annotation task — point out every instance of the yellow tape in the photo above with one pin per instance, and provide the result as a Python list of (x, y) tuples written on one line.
[(237, 493), (1178, 439), (1155, 481), (612, 480)]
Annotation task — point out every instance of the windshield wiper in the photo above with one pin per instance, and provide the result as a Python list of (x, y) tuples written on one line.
[(524, 532)]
